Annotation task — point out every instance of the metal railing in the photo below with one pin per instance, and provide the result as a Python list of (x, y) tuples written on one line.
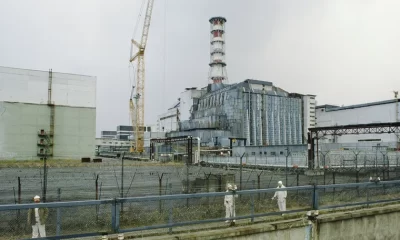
[(121, 215)]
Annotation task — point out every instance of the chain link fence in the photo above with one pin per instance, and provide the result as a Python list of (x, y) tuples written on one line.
[(90, 218)]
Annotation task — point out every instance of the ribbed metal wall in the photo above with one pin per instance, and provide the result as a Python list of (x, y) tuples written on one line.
[(264, 118)]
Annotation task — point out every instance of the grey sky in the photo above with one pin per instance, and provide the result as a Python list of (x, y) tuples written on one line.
[(345, 52)]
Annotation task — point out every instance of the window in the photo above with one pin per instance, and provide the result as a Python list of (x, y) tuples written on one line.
[(273, 153), (253, 153), (260, 153), (281, 153), (265, 153)]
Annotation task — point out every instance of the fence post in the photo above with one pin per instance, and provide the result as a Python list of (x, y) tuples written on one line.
[(315, 198), (170, 217), (115, 207), (367, 193), (259, 185), (252, 202), (334, 182), (19, 202), (58, 229)]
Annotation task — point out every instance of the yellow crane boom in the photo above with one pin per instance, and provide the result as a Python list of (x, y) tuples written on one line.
[(138, 107)]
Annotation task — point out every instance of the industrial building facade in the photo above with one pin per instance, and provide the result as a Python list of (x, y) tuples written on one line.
[(374, 112), (47, 114), (109, 134), (256, 110)]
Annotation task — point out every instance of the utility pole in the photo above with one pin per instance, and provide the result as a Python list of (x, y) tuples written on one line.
[(44, 177), (122, 179), (241, 171), (396, 93), (286, 168)]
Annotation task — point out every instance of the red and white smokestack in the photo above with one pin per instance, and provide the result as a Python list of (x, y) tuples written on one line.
[(217, 74)]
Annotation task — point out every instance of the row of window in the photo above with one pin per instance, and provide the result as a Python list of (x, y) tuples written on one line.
[(266, 153), (126, 143)]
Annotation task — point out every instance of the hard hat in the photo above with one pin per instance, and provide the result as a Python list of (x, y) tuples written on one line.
[(280, 182), (229, 186), (36, 197)]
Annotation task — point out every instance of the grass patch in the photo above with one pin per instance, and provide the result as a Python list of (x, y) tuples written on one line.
[(77, 163)]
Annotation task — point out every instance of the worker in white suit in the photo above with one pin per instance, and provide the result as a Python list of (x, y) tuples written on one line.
[(37, 218), (229, 202), (281, 197)]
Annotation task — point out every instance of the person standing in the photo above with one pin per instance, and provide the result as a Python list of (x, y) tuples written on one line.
[(281, 197), (37, 218), (230, 203)]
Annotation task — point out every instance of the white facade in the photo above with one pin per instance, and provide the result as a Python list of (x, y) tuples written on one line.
[(150, 135), (309, 114), (24, 112), (187, 101), (168, 121), (106, 142), (31, 86), (20, 123), (377, 112)]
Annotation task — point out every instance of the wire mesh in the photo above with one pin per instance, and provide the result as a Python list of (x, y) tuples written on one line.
[(188, 209), (60, 221)]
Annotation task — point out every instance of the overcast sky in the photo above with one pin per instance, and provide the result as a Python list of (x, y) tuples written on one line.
[(344, 51)]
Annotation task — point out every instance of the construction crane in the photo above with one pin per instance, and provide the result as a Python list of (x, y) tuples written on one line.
[(137, 109), (132, 114)]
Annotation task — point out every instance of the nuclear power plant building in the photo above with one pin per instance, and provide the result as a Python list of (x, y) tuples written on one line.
[(254, 110)]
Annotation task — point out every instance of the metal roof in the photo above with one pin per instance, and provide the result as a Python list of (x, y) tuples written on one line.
[(327, 106), (254, 81), (330, 108)]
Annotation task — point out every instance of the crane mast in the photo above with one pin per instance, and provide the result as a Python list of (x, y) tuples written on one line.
[(132, 115), (137, 108)]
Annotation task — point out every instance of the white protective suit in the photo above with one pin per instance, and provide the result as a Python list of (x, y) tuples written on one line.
[(229, 203), (281, 198)]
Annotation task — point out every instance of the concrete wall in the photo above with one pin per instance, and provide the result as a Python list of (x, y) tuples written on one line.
[(309, 115), (375, 223), (31, 86), (74, 130), (187, 103), (167, 121)]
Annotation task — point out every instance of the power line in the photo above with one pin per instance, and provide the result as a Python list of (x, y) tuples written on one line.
[(165, 51), (138, 19)]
